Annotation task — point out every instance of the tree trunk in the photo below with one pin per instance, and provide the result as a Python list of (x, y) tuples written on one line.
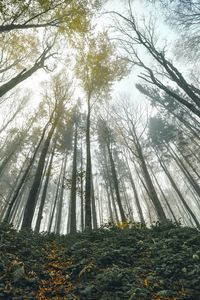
[(185, 171), (55, 200), (73, 226), (6, 87), (22, 181), (60, 202), (109, 186), (189, 163), (16, 182), (178, 191), (94, 214), (164, 197), (151, 189), (116, 185), (88, 213), (127, 202), (44, 193), (109, 206), (31, 201), (81, 186), (139, 209)]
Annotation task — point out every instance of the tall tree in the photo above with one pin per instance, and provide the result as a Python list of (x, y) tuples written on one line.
[(44, 192), (73, 226), (126, 121), (106, 140), (127, 24), (98, 67), (62, 96)]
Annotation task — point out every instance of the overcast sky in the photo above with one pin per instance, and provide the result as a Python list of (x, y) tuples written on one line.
[(127, 85)]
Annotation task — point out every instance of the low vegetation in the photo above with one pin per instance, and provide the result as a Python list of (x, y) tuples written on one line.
[(113, 262)]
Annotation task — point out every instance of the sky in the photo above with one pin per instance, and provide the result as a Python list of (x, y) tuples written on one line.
[(126, 85)]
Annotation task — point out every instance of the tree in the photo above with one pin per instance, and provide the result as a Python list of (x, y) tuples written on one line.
[(24, 74), (44, 192), (67, 17), (132, 36), (161, 135), (106, 140), (184, 13), (73, 226), (164, 136), (64, 14), (17, 52), (22, 179), (62, 96), (170, 109), (126, 120), (184, 17), (133, 185), (14, 110), (98, 67)]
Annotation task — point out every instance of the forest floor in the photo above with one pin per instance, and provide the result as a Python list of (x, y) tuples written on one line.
[(160, 263)]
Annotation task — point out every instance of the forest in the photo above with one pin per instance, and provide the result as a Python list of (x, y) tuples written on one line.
[(100, 135)]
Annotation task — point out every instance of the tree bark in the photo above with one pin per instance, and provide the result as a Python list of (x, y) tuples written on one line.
[(52, 214), (151, 189), (73, 226), (6, 87), (94, 214), (22, 181), (44, 193), (139, 209), (116, 185), (60, 202), (185, 171), (178, 191), (31, 201), (88, 212), (81, 187)]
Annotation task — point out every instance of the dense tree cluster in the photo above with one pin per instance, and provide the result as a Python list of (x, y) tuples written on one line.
[(72, 163)]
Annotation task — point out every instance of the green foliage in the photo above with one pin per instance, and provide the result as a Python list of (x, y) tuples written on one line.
[(161, 226), (98, 65), (68, 16), (108, 263)]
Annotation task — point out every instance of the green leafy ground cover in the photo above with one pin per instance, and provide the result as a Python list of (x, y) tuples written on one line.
[(160, 263)]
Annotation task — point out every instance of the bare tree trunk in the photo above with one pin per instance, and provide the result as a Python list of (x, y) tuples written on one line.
[(109, 206), (44, 193), (185, 171), (164, 197), (60, 202), (100, 208), (55, 200), (94, 214), (88, 213), (72, 211), (128, 205), (116, 185), (139, 209), (81, 186), (19, 206), (151, 189), (6, 87), (189, 163), (31, 201), (22, 181), (9, 196), (178, 192)]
